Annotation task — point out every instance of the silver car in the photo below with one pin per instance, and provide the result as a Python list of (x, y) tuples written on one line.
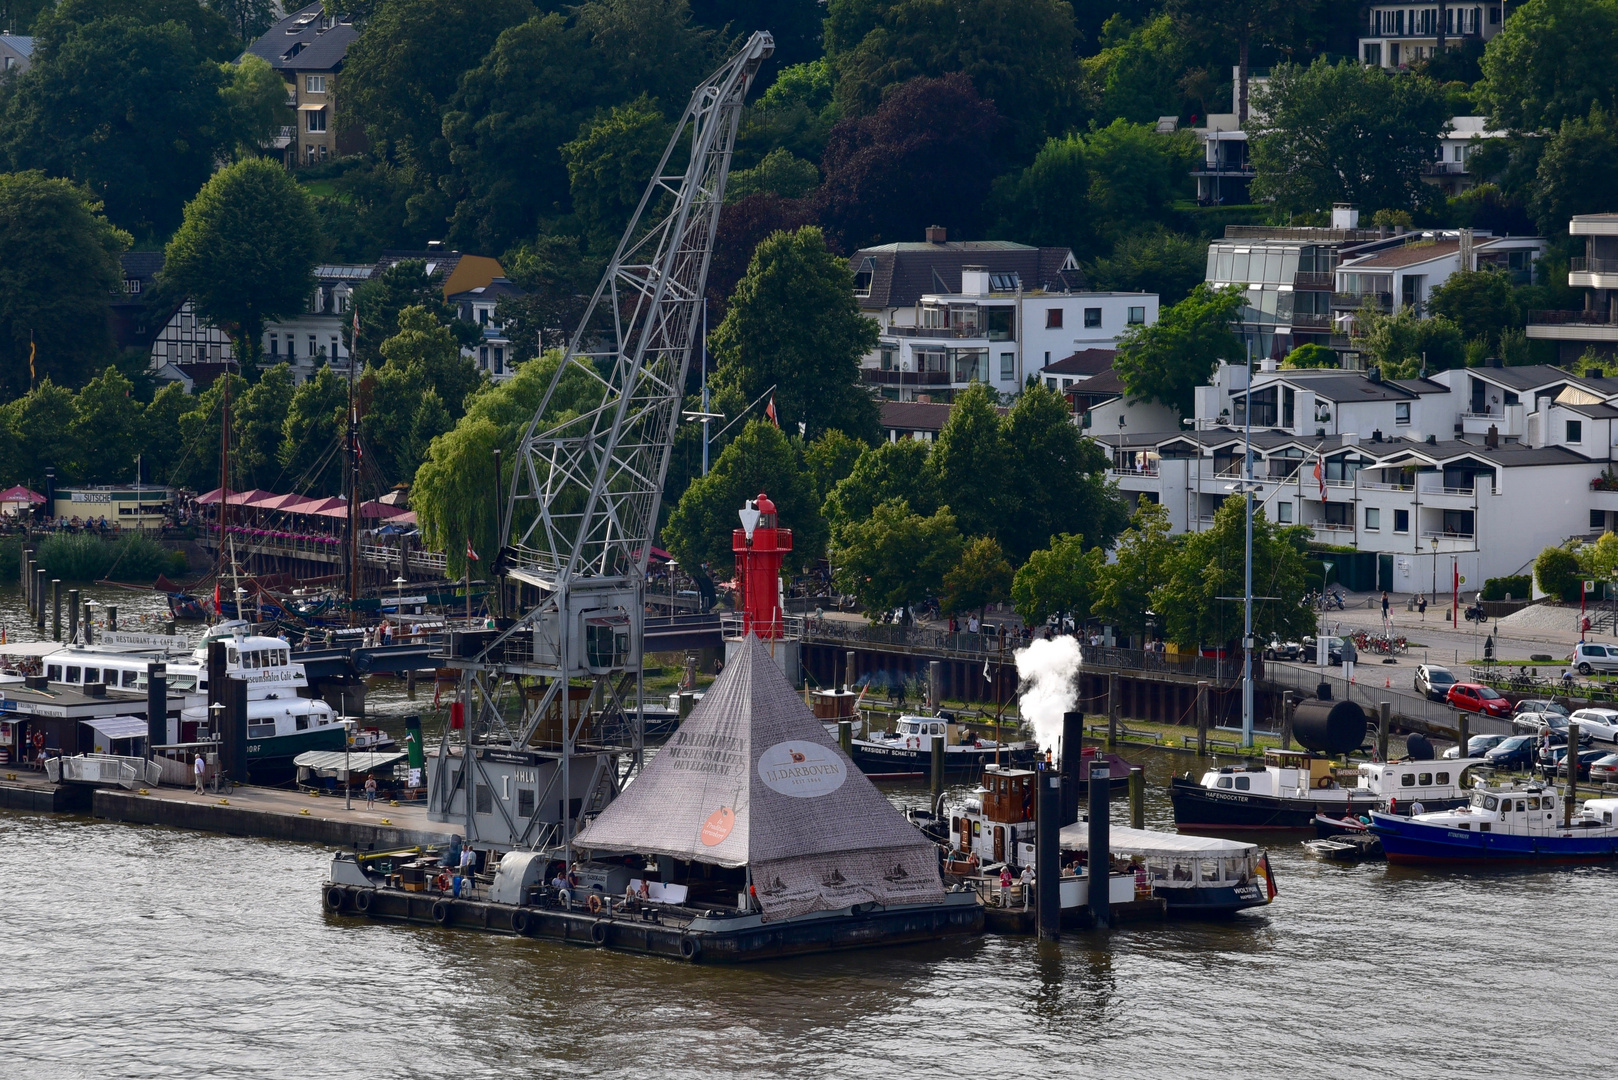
[(1598, 723)]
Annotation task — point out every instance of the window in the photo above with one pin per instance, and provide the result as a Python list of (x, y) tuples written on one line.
[(1373, 519), (92, 674), (1401, 521), (1224, 781), (129, 678), (1373, 53), (1407, 780), (333, 353), (1336, 513), (1000, 323), (1053, 318), (1008, 366), (1283, 513), (1092, 317), (1289, 401), (483, 357), (1598, 520), (314, 84), (862, 280), (1575, 431), (1401, 412), (1425, 779), (317, 119), (485, 803), (275, 344), (72, 674), (54, 673), (1494, 16), (1137, 316), (303, 723), (1243, 783), (499, 359), (314, 349), (1443, 778), (888, 363), (525, 803), (933, 318)]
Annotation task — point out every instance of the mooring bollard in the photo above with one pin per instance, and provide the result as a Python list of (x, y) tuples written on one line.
[(1137, 798), (1099, 863), (1048, 852)]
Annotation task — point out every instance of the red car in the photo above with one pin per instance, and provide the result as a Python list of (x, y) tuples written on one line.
[(1479, 699)]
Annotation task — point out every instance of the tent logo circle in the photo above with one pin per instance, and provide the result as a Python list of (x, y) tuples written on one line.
[(803, 770)]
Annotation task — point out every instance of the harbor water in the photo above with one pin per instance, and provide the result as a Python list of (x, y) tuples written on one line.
[(147, 952)]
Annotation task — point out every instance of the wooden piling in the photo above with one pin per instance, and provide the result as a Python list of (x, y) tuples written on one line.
[(73, 615), (1572, 774), (1462, 723), (1137, 798), (845, 736), (112, 617), (1202, 717), (1048, 854), (39, 598), (56, 608), (1288, 703), (938, 768)]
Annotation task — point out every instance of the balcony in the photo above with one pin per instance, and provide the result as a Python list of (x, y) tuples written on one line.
[(1584, 325), (1593, 273), (1354, 301), (1310, 321), (1569, 318), (945, 333), (878, 377), (1328, 532), (1592, 266), (1117, 472), (1315, 282), (1448, 542), (1374, 485), (1444, 168)]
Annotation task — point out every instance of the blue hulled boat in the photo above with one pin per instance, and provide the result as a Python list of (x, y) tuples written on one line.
[(1517, 824)]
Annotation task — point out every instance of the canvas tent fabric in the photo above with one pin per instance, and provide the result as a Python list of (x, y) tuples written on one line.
[(1127, 841), (751, 778)]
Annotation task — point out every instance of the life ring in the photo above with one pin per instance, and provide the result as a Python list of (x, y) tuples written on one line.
[(39, 740), (690, 948), (441, 882), (362, 900), (519, 922), (441, 912), (335, 897), (598, 931), (914, 742), (1324, 782), (594, 904)]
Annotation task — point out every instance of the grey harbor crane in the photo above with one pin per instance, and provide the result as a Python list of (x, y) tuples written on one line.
[(548, 702)]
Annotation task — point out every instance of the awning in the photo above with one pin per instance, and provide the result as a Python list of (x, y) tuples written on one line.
[(357, 761), (1126, 841), (119, 727), (307, 107), (20, 494), (210, 497)]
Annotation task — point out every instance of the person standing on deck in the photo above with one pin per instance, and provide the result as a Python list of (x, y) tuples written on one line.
[(199, 767), (370, 792)]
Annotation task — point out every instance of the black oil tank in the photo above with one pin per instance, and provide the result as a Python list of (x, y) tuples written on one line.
[(1329, 727)]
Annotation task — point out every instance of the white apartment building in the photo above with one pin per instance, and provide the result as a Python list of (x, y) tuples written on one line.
[(320, 336), (1475, 468), (1397, 35), (1405, 276)]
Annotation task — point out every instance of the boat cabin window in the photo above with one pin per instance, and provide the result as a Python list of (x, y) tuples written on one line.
[(1407, 780), (92, 674), (261, 729), (1533, 803), (53, 672), (1549, 803), (1483, 826), (231, 656), (72, 674), (1224, 781), (1490, 802), (1606, 816), (1243, 783), (1443, 778), (303, 723), (1425, 779)]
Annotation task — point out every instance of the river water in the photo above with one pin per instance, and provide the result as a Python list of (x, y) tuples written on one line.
[(146, 952)]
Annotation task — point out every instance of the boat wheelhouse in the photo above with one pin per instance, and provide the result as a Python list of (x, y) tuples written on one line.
[(907, 750)]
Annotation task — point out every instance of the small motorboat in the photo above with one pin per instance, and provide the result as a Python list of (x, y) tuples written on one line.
[(1513, 824), (186, 608), (1346, 848)]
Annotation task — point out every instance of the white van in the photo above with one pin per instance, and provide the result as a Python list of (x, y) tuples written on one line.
[(1589, 657)]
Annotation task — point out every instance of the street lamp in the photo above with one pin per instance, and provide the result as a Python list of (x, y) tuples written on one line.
[(398, 607), (1151, 627), (348, 723), (216, 708)]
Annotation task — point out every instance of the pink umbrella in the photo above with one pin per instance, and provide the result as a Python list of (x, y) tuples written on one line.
[(211, 497), (20, 494)]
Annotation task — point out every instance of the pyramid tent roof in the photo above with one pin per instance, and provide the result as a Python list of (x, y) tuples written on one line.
[(751, 778)]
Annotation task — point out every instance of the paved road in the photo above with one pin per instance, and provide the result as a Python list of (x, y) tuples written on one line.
[(1431, 638)]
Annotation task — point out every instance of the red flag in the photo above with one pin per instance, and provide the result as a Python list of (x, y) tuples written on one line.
[(769, 410), (470, 554), (1320, 478)]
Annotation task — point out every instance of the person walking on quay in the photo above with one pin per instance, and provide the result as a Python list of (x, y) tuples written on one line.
[(1027, 879), (199, 767), (1421, 605), (370, 793), (1387, 623)]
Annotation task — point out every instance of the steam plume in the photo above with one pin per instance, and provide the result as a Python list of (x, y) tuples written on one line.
[(1047, 673)]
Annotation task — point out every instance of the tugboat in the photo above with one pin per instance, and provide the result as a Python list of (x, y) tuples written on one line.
[(1292, 787), (1514, 824)]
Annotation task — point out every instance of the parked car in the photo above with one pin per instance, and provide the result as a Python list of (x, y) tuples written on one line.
[(1532, 723), (1597, 723), (1283, 650), (1558, 755), (1516, 752), (1589, 658), (1604, 770), (1477, 698), (1537, 705), (1477, 746), (1434, 681), (1332, 645)]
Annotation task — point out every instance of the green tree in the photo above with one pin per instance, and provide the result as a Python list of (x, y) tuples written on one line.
[(208, 30), (108, 427), (1403, 344), (1557, 571), (1479, 302), (1210, 568), (793, 323), (1573, 170), (259, 419), (415, 396), (829, 460), (46, 225), (429, 348), (406, 283), (200, 428), (796, 113), (1059, 580), (883, 473), (248, 18), (1139, 73), (981, 578), (1310, 355), (245, 252), (1018, 54), (160, 421), (1154, 260), (1600, 559), (74, 115), (652, 47), (760, 459), (895, 558), (780, 173), (1059, 477), (1122, 590), (1246, 22), (971, 464), (1168, 360), (39, 426), (312, 435), (1347, 132), (1551, 61), (255, 102), (609, 163)]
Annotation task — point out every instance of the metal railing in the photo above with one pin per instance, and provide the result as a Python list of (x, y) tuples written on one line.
[(377, 555), (1151, 472), (1447, 535), (1593, 266), (1299, 232), (1314, 281), (951, 333), (733, 625), (905, 378), (1593, 318), (1311, 321), (1355, 301)]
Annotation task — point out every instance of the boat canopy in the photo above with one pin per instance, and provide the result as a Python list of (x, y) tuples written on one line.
[(1149, 844), (354, 760), (119, 727)]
